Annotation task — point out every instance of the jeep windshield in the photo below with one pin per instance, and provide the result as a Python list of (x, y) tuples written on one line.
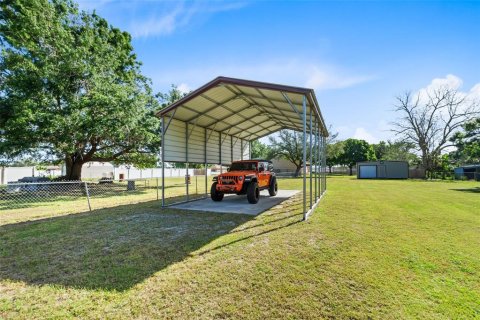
[(243, 166)]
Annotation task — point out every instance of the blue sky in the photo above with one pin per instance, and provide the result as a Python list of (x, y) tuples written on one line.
[(356, 55)]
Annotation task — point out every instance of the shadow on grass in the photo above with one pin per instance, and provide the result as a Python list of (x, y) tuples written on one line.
[(114, 249), (109, 249), (471, 190), (269, 230)]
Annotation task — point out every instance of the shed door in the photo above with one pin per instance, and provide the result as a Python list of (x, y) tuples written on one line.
[(382, 171), (368, 172)]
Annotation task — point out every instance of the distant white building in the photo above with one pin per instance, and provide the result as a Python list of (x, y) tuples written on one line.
[(285, 166)]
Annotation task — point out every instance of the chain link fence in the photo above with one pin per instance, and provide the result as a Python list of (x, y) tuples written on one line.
[(467, 176), (29, 200)]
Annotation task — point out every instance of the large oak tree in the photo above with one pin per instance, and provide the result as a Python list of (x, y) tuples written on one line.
[(71, 88)]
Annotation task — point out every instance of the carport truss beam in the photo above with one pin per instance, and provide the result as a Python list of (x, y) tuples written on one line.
[(239, 93)]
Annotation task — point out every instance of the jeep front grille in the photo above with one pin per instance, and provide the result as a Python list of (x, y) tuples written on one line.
[(229, 179)]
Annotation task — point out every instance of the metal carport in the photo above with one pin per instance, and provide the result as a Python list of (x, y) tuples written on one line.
[(216, 123)]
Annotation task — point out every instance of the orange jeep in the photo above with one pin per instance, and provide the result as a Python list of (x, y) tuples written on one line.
[(245, 177)]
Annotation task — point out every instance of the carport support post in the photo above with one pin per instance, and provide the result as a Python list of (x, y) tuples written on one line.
[(321, 166), (325, 161), (220, 150), (315, 158), (206, 173), (319, 159), (324, 142), (186, 158), (311, 163), (163, 161), (304, 105)]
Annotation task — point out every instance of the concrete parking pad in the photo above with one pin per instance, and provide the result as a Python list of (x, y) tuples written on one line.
[(238, 204)]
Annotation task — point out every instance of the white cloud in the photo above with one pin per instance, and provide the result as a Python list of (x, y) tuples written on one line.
[(181, 15), (318, 76), (362, 134), (330, 78), (475, 92), (157, 25), (184, 88), (451, 82)]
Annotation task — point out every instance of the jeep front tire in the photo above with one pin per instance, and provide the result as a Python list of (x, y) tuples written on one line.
[(214, 194), (273, 187), (253, 193)]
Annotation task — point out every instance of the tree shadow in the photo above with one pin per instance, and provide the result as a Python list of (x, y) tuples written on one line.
[(110, 249), (471, 190), (114, 249)]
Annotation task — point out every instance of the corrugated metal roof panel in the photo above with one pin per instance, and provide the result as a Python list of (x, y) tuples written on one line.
[(223, 104)]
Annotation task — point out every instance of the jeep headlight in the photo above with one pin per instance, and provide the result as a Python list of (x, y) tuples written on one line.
[(240, 178)]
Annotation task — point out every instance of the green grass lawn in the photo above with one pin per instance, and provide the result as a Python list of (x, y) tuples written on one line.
[(372, 249)]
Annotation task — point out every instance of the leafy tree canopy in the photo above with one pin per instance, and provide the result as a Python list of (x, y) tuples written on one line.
[(261, 150), (173, 95), (396, 151), (355, 151), (334, 154), (468, 143), (288, 145), (71, 88)]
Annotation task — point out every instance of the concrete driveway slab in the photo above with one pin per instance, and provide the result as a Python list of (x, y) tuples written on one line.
[(238, 204)]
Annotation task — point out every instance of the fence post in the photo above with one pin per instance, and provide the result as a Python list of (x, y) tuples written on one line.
[(88, 195)]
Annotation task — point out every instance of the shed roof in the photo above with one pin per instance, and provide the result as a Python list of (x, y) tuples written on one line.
[(246, 109), (470, 166)]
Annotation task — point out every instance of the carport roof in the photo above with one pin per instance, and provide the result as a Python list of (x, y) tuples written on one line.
[(245, 109)]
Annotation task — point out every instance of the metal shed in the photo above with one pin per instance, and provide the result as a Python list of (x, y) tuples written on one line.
[(382, 170), (468, 172), (216, 123)]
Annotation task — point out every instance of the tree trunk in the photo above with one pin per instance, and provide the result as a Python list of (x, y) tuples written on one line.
[(329, 169), (74, 168), (426, 164), (351, 170), (297, 171)]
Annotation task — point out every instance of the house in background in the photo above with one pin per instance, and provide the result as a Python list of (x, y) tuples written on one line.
[(283, 166)]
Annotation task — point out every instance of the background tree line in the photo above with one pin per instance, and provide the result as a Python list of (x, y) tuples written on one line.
[(289, 145)]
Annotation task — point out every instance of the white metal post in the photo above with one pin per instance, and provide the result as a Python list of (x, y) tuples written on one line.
[(206, 173), (319, 159), (325, 162), (315, 158), (163, 161), (186, 158), (304, 105), (311, 163), (220, 150), (88, 195)]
